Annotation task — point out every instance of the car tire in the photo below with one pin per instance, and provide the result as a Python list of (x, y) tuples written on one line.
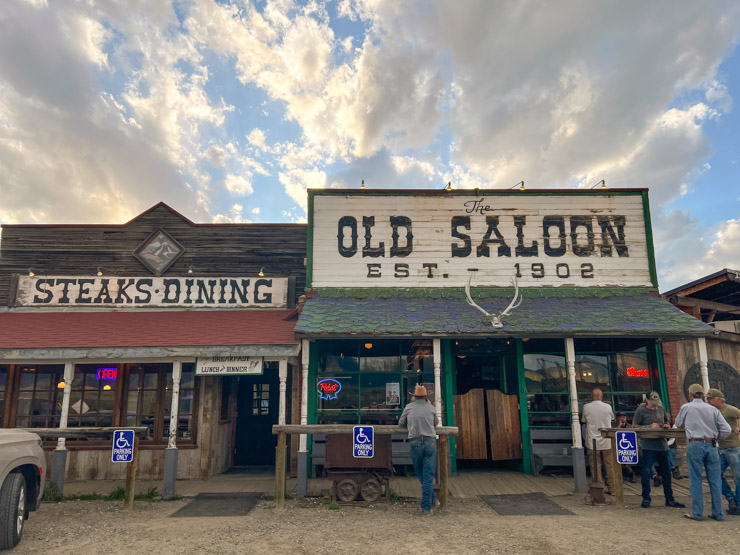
[(12, 510)]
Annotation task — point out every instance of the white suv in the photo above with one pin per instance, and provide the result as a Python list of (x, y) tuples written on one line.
[(22, 473)]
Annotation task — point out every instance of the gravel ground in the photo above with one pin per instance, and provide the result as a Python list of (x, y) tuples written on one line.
[(309, 526)]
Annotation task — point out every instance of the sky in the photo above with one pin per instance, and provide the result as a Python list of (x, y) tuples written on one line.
[(229, 111)]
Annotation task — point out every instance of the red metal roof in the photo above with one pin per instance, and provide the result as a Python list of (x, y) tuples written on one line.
[(25, 330)]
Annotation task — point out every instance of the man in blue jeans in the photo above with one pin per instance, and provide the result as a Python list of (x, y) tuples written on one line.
[(420, 418), (729, 449), (704, 426)]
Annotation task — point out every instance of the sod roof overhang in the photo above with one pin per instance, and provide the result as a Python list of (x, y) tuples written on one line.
[(544, 312)]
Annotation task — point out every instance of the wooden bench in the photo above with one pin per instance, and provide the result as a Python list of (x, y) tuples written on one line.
[(550, 448)]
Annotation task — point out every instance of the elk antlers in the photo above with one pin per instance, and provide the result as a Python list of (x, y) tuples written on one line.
[(495, 318)]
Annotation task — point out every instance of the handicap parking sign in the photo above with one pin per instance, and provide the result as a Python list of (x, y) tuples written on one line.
[(123, 446), (626, 447), (362, 442)]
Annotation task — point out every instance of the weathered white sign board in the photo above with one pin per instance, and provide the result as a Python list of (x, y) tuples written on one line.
[(228, 365), (175, 292), (418, 240)]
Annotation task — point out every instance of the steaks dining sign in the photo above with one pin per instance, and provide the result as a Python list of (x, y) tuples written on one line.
[(423, 240), (180, 292)]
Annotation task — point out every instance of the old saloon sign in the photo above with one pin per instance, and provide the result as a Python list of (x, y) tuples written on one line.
[(419, 240), (181, 292)]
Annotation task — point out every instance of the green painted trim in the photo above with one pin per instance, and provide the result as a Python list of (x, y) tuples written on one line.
[(448, 371), (313, 364), (309, 241), (482, 292), (649, 238), (661, 376), (474, 192), (523, 412)]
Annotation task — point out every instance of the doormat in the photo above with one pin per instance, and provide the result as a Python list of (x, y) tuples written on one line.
[(524, 504), (219, 504)]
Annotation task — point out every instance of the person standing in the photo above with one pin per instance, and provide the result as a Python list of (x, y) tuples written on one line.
[(597, 414), (653, 415), (420, 418), (704, 426), (729, 449)]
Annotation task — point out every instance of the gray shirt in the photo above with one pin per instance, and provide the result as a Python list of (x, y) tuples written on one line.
[(420, 418), (702, 421), (645, 418)]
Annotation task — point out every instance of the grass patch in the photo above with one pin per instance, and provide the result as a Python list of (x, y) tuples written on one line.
[(51, 494), (270, 497), (393, 497), (117, 494), (334, 506)]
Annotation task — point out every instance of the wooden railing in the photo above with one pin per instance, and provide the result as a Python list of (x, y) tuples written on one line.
[(283, 430)]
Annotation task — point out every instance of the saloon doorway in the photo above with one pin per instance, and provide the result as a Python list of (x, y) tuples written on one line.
[(486, 404), (257, 404)]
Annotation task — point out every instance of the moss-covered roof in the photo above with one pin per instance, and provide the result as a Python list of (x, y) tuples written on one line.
[(544, 312)]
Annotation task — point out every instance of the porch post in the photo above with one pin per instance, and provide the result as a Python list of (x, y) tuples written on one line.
[(436, 348), (283, 375), (703, 360), (59, 456), (579, 462), (170, 454), (302, 486)]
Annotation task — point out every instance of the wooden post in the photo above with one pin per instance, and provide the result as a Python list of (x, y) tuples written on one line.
[(618, 481), (131, 468), (280, 472), (443, 472)]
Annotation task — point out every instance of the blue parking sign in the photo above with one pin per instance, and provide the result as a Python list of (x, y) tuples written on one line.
[(123, 446), (626, 447), (362, 442)]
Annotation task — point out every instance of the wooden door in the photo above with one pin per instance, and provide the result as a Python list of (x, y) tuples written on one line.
[(504, 426), (470, 418), (257, 406)]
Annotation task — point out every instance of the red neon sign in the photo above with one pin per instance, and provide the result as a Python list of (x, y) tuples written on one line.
[(632, 373), (329, 387), (107, 373)]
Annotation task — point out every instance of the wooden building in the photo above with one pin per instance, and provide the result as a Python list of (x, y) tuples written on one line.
[(510, 306), (184, 328), (714, 299)]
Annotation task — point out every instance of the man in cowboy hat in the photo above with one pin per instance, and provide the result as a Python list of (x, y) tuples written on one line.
[(729, 449), (704, 425), (420, 418)]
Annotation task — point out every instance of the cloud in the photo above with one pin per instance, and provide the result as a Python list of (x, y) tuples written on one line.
[(238, 185)]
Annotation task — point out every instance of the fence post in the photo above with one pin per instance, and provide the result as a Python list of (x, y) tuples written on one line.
[(443, 471), (280, 472), (131, 468)]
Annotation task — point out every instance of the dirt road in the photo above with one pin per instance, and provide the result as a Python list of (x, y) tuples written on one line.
[(309, 526)]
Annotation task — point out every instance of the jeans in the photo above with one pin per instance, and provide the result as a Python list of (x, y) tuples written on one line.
[(424, 458), (730, 456), (704, 455), (648, 460)]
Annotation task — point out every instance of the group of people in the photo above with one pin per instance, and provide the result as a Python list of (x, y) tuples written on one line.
[(713, 434)]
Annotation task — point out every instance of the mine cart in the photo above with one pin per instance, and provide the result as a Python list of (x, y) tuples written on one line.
[(355, 477)]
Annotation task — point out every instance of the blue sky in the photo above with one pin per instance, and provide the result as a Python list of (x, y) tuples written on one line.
[(229, 111)]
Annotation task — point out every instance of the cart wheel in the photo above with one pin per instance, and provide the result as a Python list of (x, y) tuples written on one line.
[(346, 490), (371, 490)]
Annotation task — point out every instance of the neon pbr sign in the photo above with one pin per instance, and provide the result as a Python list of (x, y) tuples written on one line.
[(328, 389)]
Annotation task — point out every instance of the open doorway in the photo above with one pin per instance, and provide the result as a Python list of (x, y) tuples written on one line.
[(486, 404)]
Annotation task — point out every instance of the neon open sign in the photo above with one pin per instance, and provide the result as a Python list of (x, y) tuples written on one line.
[(107, 373), (328, 389), (632, 373)]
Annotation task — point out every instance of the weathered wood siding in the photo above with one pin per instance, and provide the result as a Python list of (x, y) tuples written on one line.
[(687, 355), (211, 249), (572, 249)]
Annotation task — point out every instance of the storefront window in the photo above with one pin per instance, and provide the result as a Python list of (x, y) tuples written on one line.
[(622, 369), (92, 399), (368, 381), (39, 396)]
